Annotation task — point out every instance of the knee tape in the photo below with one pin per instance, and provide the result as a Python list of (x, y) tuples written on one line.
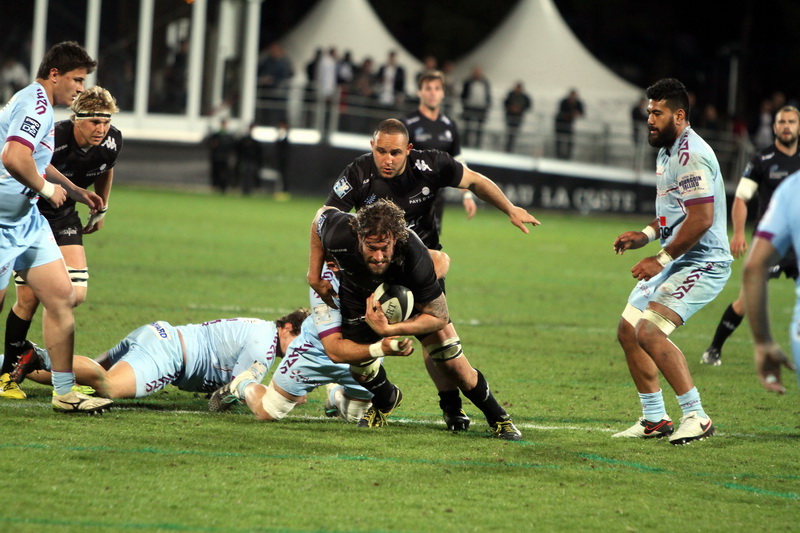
[(276, 404), (449, 349), (18, 280), (631, 315), (661, 322), (79, 276), (369, 369)]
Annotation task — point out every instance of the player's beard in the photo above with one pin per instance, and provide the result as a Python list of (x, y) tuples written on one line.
[(664, 137), (787, 142)]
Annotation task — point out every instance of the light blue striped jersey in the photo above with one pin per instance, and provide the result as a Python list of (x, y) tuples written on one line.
[(688, 173), (28, 119)]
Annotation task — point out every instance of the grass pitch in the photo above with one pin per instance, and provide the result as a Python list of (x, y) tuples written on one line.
[(536, 313)]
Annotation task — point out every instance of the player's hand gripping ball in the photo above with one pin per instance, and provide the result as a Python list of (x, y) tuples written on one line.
[(396, 301)]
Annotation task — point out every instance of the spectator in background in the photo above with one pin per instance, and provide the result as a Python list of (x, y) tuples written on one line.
[(569, 109), (516, 104), (13, 78), (429, 63), (476, 98), (327, 83), (762, 125), (639, 121), (392, 83), (274, 72), (450, 91), (249, 160), (221, 148), (363, 96), (310, 99), (282, 157)]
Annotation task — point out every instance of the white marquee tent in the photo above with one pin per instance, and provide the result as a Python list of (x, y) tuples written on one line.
[(536, 46), (346, 25)]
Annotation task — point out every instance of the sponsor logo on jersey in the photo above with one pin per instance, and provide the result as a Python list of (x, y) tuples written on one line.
[(110, 143), (342, 187), (30, 126), (692, 182), (422, 165), (67, 231), (160, 331)]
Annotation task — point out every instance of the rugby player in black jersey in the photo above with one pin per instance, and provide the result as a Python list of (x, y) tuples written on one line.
[(430, 129), (411, 178), (86, 150), (761, 176), (375, 246)]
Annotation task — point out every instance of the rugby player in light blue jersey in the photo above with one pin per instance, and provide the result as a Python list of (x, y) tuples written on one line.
[(778, 231), (688, 272), (194, 357), (319, 356), (27, 245)]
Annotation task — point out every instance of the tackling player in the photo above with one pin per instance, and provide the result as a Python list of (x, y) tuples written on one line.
[(763, 174), (319, 356), (86, 150), (27, 245), (193, 357), (688, 272)]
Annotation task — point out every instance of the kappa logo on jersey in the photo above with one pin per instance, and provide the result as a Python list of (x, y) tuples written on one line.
[(342, 187), (30, 126), (693, 182), (110, 143), (422, 165)]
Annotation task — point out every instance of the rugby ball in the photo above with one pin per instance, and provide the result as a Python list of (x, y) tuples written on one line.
[(396, 301)]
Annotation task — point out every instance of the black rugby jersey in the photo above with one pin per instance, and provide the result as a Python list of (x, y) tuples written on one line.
[(81, 167), (768, 168), (426, 134), (411, 265), (414, 191)]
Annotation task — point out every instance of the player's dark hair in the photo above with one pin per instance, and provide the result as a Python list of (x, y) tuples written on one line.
[(672, 92), (430, 75), (65, 56), (390, 126), (295, 318), (380, 218)]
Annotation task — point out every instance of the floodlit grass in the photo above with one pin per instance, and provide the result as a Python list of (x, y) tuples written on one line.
[(536, 313)]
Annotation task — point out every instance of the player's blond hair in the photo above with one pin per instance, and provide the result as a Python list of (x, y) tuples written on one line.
[(93, 100)]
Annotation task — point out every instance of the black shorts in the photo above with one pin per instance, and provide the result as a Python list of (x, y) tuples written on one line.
[(68, 230), (787, 265)]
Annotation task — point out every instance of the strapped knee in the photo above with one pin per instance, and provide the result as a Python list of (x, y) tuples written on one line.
[(368, 369), (79, 276), (275, 404), (660, 321), (448, 349), (631, 315)]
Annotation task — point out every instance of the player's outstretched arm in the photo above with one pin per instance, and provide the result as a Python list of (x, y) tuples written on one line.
[(340, 350), (489, 192)]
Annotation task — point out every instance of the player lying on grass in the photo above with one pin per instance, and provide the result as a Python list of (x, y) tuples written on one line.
[(193, 357), (319, 356)]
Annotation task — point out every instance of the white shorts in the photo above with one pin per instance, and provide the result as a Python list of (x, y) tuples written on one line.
[(26, 246), (683, 286)]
